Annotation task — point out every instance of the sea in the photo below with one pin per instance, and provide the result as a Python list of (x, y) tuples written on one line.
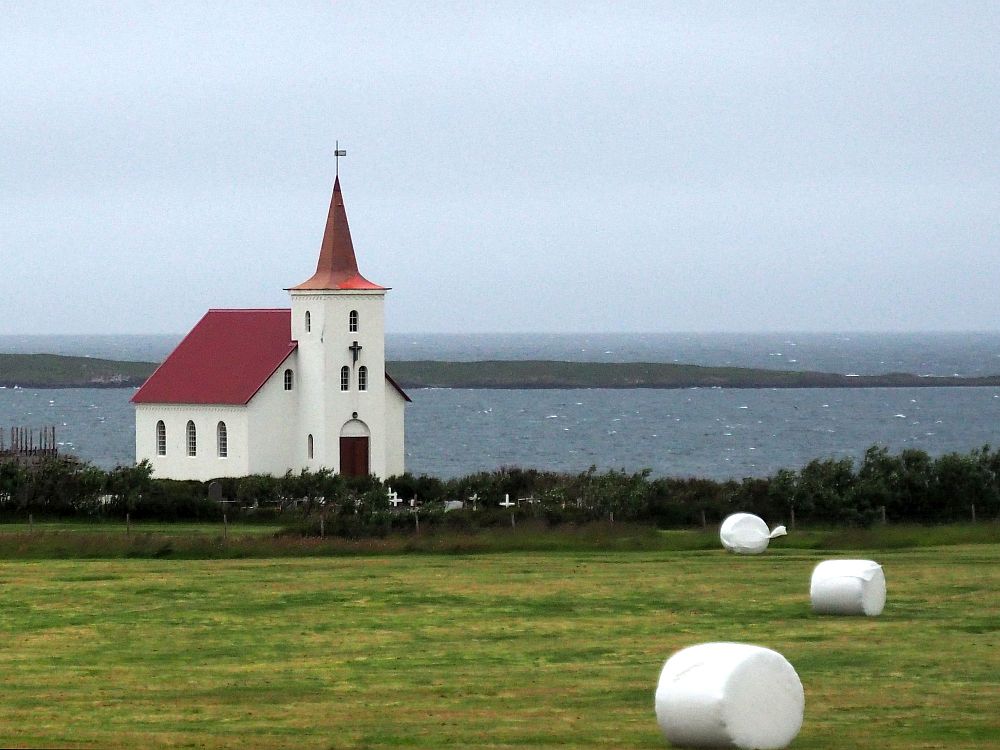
[(716, 433)]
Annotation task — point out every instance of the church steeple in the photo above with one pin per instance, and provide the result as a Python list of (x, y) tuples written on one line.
[(337, 267)]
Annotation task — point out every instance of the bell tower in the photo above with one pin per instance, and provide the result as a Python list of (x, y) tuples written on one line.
[(338, 321)]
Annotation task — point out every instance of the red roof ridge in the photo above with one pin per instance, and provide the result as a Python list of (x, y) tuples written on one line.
[(337, 267)]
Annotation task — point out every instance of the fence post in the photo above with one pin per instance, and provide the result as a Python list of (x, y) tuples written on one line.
[(128, 525), (704, 521), (322, 526), (882, 508), (225, 526), (973, 512), (791, 520)]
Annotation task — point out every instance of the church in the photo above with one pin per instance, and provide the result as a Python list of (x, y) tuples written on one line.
[(272, 390)]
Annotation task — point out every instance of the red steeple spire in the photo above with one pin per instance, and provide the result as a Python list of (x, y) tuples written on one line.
[(337, 267)]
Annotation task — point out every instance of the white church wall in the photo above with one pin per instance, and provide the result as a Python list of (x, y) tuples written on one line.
[(206, 463), (395, 453), (275, 445), (312, 379)]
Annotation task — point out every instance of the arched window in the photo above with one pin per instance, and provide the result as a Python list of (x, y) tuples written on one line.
[(161, 438), (222, 440), (288, 380), (308, 322), (352, 321), (362, 378), (192, 439), (309, 446), (345, 378)]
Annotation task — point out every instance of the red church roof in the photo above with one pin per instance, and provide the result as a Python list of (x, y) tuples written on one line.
[(337, 267), (225, 359)]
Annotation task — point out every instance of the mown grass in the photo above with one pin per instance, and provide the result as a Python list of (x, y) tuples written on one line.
[(511, 650)]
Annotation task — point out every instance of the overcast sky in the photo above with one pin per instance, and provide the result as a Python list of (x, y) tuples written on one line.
[(511, 167)]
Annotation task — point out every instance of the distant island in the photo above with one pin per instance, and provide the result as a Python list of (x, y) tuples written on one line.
[(57, 371)]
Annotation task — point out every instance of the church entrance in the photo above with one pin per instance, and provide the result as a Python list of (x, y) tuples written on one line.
[(354, 449), (354, 456)]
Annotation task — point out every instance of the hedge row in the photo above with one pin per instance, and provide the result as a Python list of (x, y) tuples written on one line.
[(910, 486)]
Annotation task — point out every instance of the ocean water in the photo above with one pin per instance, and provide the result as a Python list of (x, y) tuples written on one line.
[(716, 433)]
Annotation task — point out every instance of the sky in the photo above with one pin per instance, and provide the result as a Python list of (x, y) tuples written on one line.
[(511, 167)]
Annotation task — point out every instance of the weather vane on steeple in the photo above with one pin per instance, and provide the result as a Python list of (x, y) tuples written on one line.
[(338, 152)]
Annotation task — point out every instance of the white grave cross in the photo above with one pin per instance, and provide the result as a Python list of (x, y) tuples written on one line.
[(506, 502)]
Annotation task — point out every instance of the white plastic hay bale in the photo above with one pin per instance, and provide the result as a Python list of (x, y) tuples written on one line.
[(725, 695), (848, 587), (747, 534)]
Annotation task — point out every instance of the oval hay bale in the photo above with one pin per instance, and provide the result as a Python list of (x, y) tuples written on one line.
[(744, 534), (848, 587), (729, 695)]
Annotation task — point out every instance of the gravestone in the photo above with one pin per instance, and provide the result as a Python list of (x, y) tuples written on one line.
[(215, 491)]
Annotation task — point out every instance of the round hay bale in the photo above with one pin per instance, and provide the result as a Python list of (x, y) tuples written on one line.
[(729, 695), (744, 534), (848, 587)]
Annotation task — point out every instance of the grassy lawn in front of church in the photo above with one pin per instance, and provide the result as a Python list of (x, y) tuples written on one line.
[(506, 650)]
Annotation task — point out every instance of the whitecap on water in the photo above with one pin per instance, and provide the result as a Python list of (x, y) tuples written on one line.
[(899, 416)]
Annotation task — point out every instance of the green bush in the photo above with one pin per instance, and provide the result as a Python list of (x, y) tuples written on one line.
[(909, 486)]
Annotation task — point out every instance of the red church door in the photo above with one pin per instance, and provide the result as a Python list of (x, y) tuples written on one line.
[(354, 456)]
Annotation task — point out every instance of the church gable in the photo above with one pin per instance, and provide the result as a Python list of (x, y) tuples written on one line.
[(225, 359)]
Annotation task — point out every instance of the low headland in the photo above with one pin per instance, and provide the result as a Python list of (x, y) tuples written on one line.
[(58, 371)]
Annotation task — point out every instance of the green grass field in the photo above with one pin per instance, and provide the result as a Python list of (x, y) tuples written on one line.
[(511, 650)]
